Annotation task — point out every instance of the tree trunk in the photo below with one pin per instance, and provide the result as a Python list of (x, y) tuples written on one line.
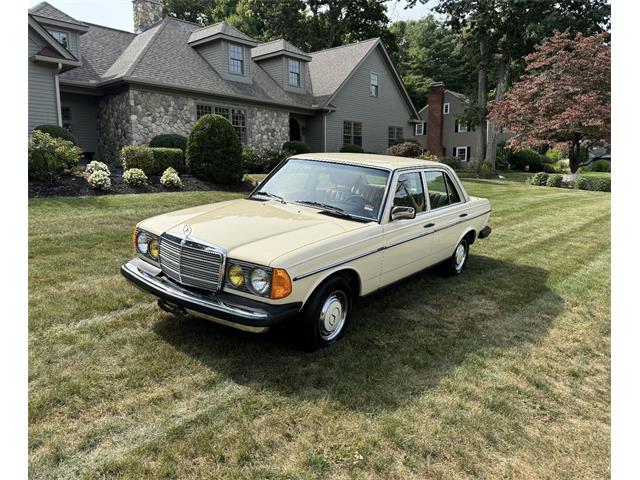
[(482, 106), (492, 128), (574, 155)]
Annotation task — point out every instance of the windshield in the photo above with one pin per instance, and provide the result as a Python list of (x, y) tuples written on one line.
[(348, 190)]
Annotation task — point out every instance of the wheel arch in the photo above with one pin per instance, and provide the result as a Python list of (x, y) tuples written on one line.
[(350, 273)]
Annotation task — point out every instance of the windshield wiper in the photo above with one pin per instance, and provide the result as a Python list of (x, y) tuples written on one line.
[(271, 195), (331, 209)]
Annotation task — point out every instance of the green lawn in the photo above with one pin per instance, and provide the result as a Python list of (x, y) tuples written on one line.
[(502, 372)]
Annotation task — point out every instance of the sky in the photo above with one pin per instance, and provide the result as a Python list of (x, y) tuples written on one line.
[(118, 13)]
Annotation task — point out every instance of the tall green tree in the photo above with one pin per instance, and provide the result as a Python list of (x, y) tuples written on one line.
[(203, 12)]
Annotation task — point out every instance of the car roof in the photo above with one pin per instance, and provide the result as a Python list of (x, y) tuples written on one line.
[(368, 159)]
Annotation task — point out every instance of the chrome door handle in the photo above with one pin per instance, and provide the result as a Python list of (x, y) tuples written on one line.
[(429, 225)]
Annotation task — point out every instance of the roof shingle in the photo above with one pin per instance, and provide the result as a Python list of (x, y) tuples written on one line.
[(44, 9)]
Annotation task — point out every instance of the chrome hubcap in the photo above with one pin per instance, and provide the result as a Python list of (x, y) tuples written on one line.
[(333, 315), (460, 256)]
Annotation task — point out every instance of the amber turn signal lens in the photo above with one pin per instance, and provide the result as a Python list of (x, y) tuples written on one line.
[(280, 283), (154, 249), (133, 238)]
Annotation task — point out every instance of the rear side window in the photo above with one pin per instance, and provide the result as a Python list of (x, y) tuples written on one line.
[(409, 192), (441, 190)]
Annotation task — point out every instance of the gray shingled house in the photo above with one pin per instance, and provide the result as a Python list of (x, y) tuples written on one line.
[(113, 88)]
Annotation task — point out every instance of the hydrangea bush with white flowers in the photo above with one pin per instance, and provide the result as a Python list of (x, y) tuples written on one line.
[(135, 177), (171, 179), (100, 180)]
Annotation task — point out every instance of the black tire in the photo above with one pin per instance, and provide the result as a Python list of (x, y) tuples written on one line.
[(324, 309), (453, 266)]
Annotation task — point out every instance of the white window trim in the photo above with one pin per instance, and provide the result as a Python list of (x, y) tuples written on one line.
[(371, 74), (461, 127), (421, 132), (465, 150), (289, 71), (446, 108), (243, 66)]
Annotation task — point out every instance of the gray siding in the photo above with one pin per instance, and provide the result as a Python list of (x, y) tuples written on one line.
[(84, 119), (217, 55), (278, 69), (377, 114), (285, 76), (450, 138), (43, 106), (273, 67)]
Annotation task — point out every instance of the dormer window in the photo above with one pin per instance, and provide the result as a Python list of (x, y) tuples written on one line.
[(374, 84), (294, 73), (61, 37), (236, 59)]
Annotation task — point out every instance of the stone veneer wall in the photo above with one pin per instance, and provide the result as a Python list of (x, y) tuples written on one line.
[(114, 126), (154, 113)]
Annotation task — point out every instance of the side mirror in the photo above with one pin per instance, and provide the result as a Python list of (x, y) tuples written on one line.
[(403, 213)]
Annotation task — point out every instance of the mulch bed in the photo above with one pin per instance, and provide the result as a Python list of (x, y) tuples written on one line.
[(77, 185)]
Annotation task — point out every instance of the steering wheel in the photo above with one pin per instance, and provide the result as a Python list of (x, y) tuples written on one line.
[(357, 200)]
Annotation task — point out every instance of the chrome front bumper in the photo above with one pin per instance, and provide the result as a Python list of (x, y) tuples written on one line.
[(228, 309)]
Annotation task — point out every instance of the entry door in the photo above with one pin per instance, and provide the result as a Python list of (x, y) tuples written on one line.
[(407, 244)]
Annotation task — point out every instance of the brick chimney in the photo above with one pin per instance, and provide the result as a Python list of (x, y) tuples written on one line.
[(435, 100), (146, 13)]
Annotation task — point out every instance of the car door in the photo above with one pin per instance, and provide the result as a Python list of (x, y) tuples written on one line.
[(407, 246), (446, 212)]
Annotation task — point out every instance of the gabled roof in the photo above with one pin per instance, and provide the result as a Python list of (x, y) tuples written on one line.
[(219, 30), (53, 51), (278, 47), (47, 11)]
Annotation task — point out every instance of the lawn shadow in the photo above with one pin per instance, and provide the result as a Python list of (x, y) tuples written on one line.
[(402, 340)]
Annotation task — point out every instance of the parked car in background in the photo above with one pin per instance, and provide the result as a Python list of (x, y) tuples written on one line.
[(319, 231)]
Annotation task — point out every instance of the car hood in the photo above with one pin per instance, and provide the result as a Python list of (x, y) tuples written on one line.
[(253, 231)]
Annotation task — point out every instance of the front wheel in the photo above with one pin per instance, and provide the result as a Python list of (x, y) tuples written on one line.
[(326, 314), (456, 263)]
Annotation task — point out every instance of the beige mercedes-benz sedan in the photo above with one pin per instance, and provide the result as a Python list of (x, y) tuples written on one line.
[(320, 230)]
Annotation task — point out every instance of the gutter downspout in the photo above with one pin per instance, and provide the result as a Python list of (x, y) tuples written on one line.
[(324, 132), (58, 101)]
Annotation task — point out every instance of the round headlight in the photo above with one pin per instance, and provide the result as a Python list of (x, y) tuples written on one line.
[(236, 275), (142, 243), (259, 280)]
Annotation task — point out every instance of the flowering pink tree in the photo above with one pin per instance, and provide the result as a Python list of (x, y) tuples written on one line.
[(564, 97)]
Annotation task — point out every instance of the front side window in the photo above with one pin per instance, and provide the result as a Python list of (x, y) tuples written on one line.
[(61, 37), (236, 59), (352, 133), (237, 117), (395, 135), (332, 188), (462, 153), (441, 190), (446, 108), (419, 129), (461, 126), (294, 73), (202, 110), (409, 192), (374, 84)]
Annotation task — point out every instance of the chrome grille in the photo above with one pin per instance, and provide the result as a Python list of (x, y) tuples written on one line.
[(191, 263)]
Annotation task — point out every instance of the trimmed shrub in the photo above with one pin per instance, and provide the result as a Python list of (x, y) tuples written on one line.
[(137, 157), (555, 154), (430, 157), (582, 183), (169, 140), (555, 181), (57, 132), (214, 151), (351, 148), (539, 178), (525, 157), (405, 149), (296, 147), (453, 162), (95, 166), (50, 157), (503, 154), (164, 158), (134, 177), (601, 184), (171, 179), (486, 171), (100, 180), (600, 166)]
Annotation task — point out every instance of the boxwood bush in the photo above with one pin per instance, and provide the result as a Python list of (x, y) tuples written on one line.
[(539, 178), (582, 183), (296, 147), (137, 157), (57, 132), (600, 166), (169, 140), (555, 181), (601, 184), (50, 157), (351, 148), (164, 158), (214, 151), (520, 159), (404, 149)]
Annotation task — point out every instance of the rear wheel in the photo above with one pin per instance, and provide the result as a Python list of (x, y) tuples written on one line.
[(456, 263), (326, 314)]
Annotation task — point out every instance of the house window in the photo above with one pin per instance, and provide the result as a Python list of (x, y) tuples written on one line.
[(203, 110), (395, 135), (419, 129), (236, 116), (352, 133), (374, 84), (236, 59), (294, 73), (446, 108), (61, 37), (461, 126), (462, 153)]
